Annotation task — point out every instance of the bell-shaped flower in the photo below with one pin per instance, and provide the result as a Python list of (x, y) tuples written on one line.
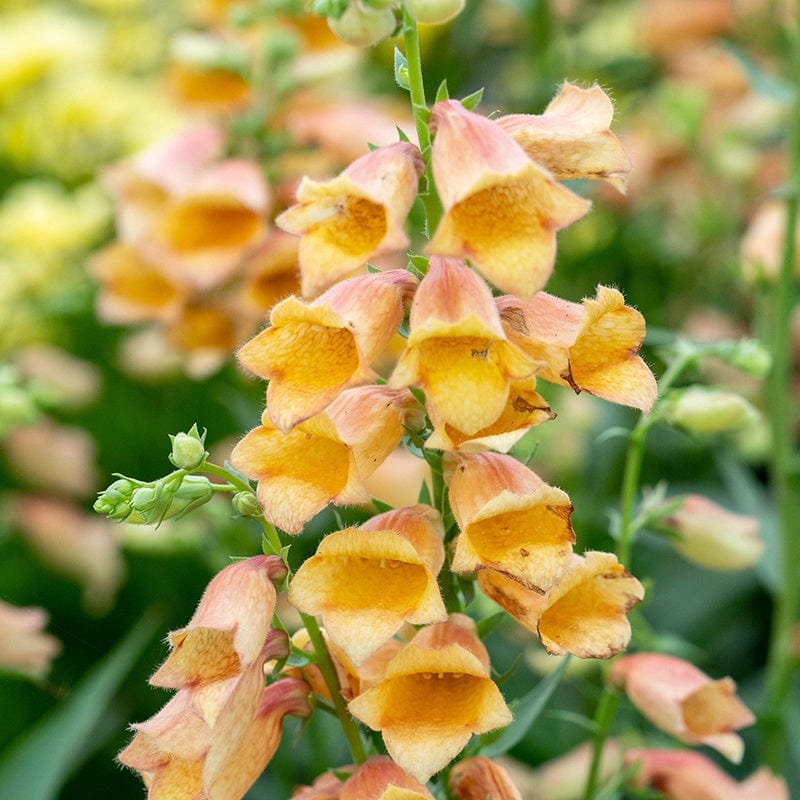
[(357, 215), (229, 628), (591, 346), (525, 408), (479, 777), (687, 775), (585, 613), (312, 351), (436, 693), (24, 646), (324, 459), (366, 584), (510, 520), (379, 778), (682, 700), (327, 786), (572, 137), (714, 537), (457, 350), (501, 210), (269, 274)]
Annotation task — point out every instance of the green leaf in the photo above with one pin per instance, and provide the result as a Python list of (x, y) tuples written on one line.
[(526, 711), (442, 93), (471, 100), (401, 70), (38, 763)]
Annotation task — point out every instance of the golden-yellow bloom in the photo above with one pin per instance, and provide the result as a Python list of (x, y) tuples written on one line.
[(436, 693), (510, 520), (312, 351), (683, 701), (502, 209), (584, 614), (457, 350), (367, 583), (572, 136), (593, 346), (355, 216), (324, 459)]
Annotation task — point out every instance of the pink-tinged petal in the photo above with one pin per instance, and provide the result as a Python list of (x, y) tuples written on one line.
[(374, 778), (592, 346), (327, 787), (229, 628), (572, 137), (271, 273), (502, 210), (510, 520), (478, 778), (457, 351), (359, 214), (24, 645), (386, 585), (683, 701)]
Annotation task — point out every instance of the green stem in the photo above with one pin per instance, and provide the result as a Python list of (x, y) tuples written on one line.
[(223, 473), (328, 671), (780, 660), (419, 107), (603, 717)]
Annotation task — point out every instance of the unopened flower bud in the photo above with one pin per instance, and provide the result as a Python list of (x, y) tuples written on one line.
[(246, 504), (363, 27), (115, 501), (188, 449), (434, 12), (194, 491), (702, 410)]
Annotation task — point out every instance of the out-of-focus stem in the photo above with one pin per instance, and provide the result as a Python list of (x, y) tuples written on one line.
[(784, 478), (603, 717)]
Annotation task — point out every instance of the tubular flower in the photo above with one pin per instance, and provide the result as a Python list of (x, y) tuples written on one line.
[(324, 459), (572, 137), (312, 351), (366, 584), (355, 216), (479, 777), (591, 346), (510, 520), (584, 614), (686, 775), (436, 693), (683, 701), (457, 350), (525, 408), (24, 645), (379, 778), (270, 273), (229, 628), (502, 210)]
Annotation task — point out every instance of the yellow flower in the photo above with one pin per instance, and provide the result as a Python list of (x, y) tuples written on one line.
[(436, 693), (367, 582), (312, 351), (510, 520), (457, 350), (324, 459), (584, 614), (592, 346), (502, 210), (683, 701), (572, 137), (355, 216)]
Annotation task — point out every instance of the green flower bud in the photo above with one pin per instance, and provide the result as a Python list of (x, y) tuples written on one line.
[(115, 501), (747, 355), (188, 449), (246, 504), (194, 491), (363, 27), (434, 12), (702, 410)]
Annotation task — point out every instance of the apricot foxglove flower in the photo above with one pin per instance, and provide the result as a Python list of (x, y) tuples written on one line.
[(379, 778), (714, 537), (228, 630), (502, 210), (585, 613), (312, 351), (510, 520), (24, 645), (524, 409), (269, 274), (367, 583), (687, 775), (683, 701), (479, 777), (324, 459), (436, 693), (457, 350), (572, 137), (357, 215), (591, 346)]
